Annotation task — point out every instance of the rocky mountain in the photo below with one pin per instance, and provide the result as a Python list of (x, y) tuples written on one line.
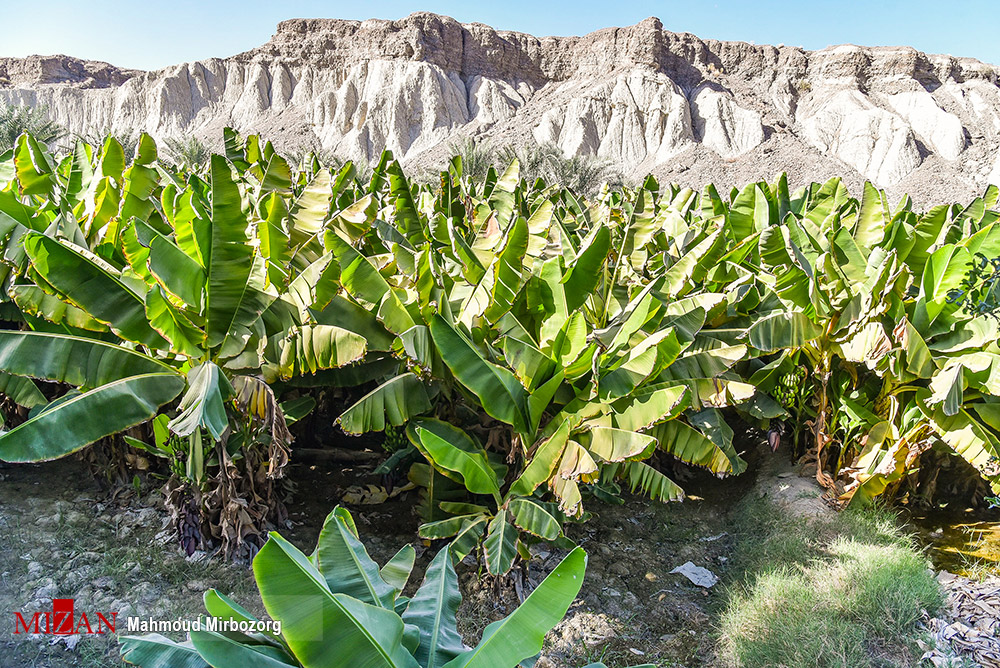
[(643, 98)]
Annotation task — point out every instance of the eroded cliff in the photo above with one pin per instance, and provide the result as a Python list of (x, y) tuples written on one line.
[(641, 97)]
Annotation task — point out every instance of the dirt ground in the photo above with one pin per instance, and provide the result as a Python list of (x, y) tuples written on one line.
[(62, 536)]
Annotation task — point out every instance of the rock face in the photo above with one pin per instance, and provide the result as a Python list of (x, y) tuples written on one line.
[(643, 98)]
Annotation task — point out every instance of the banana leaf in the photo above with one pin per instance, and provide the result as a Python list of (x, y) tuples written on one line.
[(520, 635), (344, 563), (70, 359), (89, 417), (92, 287), (157, 651), (433, 610), (392, 403), (323, 629)]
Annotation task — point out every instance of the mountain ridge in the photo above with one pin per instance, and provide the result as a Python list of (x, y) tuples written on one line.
[(640, 97)]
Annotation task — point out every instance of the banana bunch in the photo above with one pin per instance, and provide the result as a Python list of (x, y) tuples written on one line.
[(883, 402), (395, 438), (790, 387)]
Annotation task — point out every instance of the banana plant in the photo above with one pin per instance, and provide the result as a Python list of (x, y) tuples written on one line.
[(337, 607), (845, 272), (183, 296), (580, 383), (940, 385), (179, 313), (830, 295), (635, 321)]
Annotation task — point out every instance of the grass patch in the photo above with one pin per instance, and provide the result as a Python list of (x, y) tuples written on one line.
[(837, 593)]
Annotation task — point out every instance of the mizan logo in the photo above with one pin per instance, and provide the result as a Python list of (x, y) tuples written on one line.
[(63, 621)]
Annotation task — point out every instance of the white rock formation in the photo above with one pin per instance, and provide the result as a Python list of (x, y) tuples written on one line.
[(636, 116), (876, 142), (641, 97), (724, 126), (941, 131)]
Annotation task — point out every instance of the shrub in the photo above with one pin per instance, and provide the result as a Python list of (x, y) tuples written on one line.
[(16, 120), (583, 173), (190, 150), (477, 157), (882, 588)]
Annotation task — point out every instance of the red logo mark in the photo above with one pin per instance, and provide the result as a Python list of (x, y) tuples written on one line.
[(63, 621)]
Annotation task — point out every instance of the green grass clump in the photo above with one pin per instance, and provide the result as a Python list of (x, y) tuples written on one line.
[(883, 588), (784, 621), (845, 592)]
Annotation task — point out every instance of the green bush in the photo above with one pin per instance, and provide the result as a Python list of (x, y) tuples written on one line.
[(16, 120), (190, 150), (786, 620), (882, 588)]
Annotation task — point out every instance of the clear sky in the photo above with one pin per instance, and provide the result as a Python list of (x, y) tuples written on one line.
[(149, 34)]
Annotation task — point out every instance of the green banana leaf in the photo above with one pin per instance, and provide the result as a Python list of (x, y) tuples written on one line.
[(311, 348), (945, 270), (71, 359), (448, 527), (363, 282), (343, 561), (92, 287), (694, 447), (89, 417), (966, 436), (947, 387), (34, 301), (22, 391), (221, 606), (184, 337), (230, 253), (649, 481), (225, 651), (529, 516), (507, 279), (651, 406), (310, 208), (394, 402), (520, 635), (468, 537), (157, 651), (323, 629), (500, 545), (585, 270), (452, 452), (397, 570), (177, 271), (543, 462), (783, 330), (433, 610), (502, 396), (617, 445)]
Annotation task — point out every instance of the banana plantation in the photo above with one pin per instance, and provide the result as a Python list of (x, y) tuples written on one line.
[(520, 355)]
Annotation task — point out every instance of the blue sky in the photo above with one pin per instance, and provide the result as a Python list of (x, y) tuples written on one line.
[(153, 33)]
